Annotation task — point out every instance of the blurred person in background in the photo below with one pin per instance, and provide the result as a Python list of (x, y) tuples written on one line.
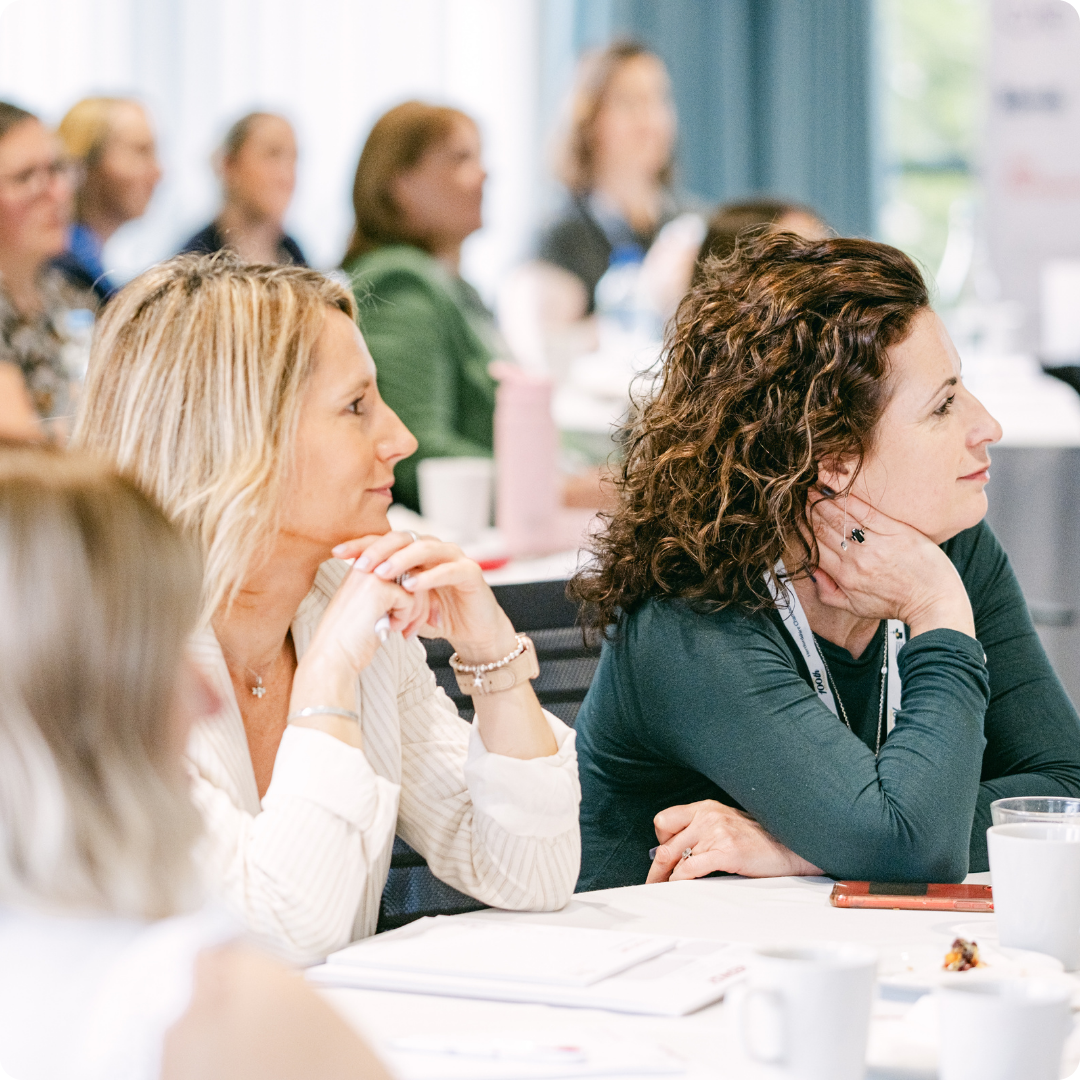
[(243, 397), (18, 421), (113, 141), (44, 317), (730, 220), (257, 167), (417, 196), (111, 964), (616, 163)]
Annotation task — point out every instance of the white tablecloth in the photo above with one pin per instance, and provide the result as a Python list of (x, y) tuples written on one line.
[(728, 909)]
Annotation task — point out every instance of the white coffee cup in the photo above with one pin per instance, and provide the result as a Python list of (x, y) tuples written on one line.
[(1035, 873), (1008, 1030), (455, 495), (805, 1010)]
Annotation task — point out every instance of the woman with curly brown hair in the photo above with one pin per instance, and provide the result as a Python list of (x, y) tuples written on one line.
[(818, 655)]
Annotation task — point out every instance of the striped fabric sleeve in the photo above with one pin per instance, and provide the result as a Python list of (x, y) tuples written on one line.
[(296, 872), (503, 830)]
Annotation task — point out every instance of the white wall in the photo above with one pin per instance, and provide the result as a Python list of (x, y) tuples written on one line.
[(331, 66)]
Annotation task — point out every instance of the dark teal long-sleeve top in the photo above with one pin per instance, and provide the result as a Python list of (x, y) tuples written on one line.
[(687, 706)]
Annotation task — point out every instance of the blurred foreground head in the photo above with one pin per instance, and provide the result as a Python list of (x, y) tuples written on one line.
[(99, 592)]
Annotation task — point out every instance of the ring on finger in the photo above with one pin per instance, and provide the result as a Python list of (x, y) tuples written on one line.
[(858, 535), (415, 536), (686, 854)]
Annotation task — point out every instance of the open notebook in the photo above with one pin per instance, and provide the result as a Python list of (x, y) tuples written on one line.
[(551, 965)]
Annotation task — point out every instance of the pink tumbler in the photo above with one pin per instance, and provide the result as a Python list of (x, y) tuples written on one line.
[(527, 502)]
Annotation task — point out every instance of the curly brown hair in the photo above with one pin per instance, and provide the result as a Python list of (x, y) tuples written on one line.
[(775, 363)]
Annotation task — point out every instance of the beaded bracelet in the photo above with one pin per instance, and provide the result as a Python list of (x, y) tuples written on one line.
[(479, 669)]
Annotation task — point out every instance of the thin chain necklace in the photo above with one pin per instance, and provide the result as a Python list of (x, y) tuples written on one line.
[(881, 696), (258, 689)]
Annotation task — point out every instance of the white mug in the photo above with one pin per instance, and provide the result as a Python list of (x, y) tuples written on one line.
[(1035, 873), (455, 495), (805, 1010), (1009, 1030)]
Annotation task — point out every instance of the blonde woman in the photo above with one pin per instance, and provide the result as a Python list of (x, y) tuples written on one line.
[(109, 968), (243, 397), (113, 141)]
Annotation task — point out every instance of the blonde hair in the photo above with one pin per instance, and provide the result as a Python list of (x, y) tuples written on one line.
[(575, 155), (99, 592), (193, 389), (85, 130), (86, 125)]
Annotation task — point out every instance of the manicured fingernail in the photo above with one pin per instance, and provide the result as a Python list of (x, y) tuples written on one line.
[(826, 490), (813, 579), (385, 571), (363, 563)]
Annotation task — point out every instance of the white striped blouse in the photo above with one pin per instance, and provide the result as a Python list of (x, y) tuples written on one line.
[(305, 869)]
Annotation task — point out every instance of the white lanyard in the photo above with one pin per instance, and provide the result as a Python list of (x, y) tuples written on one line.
[(798, 627)]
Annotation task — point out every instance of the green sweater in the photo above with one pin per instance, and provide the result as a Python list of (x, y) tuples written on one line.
[(432, 340), (687, 706)]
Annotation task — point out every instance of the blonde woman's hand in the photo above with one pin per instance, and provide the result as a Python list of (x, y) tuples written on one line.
[(895, 573), (719, 837), (345, 643), (453, 600)]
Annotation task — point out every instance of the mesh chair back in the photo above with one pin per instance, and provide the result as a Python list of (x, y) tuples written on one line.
[(567, 664)]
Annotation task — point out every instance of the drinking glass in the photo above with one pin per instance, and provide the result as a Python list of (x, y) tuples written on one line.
[(1036, 809)]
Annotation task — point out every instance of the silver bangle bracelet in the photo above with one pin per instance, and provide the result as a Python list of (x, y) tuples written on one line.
[(323, 710)]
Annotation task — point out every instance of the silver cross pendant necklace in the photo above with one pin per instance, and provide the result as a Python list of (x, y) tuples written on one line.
[(258, 690)]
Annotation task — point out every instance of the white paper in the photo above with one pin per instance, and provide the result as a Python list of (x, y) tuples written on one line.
[(522, 952), (695, 973), (484, 1060)]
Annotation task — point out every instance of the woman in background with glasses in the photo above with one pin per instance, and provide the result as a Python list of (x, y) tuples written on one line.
[(43, 317)]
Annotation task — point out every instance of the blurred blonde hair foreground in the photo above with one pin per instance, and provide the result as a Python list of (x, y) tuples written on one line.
[(194, 386), (99, 592)]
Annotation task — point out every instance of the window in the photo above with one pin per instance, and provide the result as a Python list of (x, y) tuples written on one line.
[(933, 57)]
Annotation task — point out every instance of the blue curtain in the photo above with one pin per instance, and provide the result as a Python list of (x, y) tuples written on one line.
[(774, 96)]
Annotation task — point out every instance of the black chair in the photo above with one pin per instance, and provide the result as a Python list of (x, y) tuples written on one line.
[(567, 664)]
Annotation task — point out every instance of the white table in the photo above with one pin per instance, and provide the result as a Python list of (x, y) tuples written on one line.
[(729, 909)]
